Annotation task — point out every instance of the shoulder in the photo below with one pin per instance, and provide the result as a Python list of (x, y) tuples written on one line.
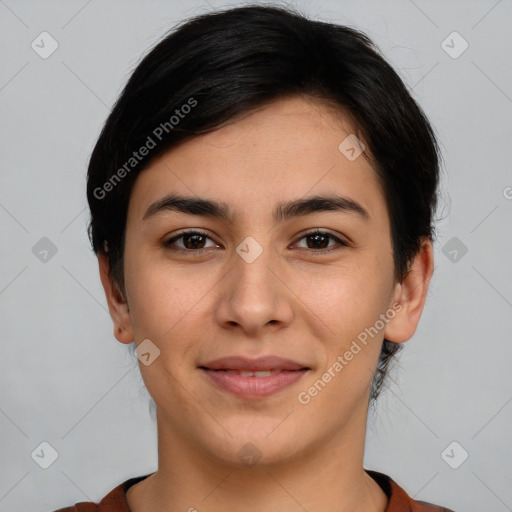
[(423, 506), (83, 506), (399, 500), (114, 501)]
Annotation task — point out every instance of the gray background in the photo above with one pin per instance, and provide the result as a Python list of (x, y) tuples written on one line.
[(64, 379)]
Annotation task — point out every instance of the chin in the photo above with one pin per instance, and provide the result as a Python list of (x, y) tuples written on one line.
[(262, 447)]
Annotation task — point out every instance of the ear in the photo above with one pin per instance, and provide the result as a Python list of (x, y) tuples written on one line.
[(411, 293), (117, 304)]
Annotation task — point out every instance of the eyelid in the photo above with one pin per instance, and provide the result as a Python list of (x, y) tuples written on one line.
[(322, 231), (311, 232), (340, 243), (187, 231)]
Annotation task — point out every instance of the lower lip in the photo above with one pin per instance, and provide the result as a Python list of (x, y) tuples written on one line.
[(254, 387)]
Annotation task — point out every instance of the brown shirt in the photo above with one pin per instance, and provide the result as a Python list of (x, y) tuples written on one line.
[(399, 501)]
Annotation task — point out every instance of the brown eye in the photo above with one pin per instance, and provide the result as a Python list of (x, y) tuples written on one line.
[(195, 241), (191, 240), (319, 240)]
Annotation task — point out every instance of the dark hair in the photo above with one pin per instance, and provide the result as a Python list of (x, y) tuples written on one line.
[(217, 66)]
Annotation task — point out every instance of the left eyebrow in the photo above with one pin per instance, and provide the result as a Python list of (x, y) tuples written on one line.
[(286, 210)]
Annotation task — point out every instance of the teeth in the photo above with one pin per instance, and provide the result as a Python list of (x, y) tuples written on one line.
[(266, 373)]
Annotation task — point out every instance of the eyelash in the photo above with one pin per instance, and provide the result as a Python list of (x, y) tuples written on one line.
[(168, 243)]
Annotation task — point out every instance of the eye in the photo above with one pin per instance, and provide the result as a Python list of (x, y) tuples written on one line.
[(318, 240), (191, 240), (195, 241)]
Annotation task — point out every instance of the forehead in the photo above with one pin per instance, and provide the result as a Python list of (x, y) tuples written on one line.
[(282, 151)]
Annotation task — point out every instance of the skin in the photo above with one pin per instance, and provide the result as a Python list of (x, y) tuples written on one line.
[(295, 300)]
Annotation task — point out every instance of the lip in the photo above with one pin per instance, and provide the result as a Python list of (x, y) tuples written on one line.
[(253, 387), (289, 373), (253, 365)]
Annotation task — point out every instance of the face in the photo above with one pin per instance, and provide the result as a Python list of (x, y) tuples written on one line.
[(254, 283)]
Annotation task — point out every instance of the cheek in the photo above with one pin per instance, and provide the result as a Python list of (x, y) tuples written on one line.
[(164, 298), (346, 298), (152, 295), (349, 306)]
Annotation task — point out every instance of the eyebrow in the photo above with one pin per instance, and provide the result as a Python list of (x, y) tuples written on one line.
[(286, 210)]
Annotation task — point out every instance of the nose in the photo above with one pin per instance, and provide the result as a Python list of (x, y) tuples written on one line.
[(255, 293)]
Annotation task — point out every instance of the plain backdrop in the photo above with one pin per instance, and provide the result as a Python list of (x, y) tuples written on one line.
[(64, 378)]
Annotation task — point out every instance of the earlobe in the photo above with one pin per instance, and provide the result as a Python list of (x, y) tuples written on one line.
[(117, 304), (411, 293)]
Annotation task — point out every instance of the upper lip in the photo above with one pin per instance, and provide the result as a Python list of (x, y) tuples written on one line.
[(254, 365)]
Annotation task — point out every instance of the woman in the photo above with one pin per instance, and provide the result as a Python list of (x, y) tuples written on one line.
[(261, 201)]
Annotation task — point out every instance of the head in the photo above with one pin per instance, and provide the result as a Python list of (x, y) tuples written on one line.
[(251, 108)]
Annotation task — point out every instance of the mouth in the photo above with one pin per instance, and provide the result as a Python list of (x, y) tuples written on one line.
[(248, 378), (261, 364), (253, 385), (257, 373)]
